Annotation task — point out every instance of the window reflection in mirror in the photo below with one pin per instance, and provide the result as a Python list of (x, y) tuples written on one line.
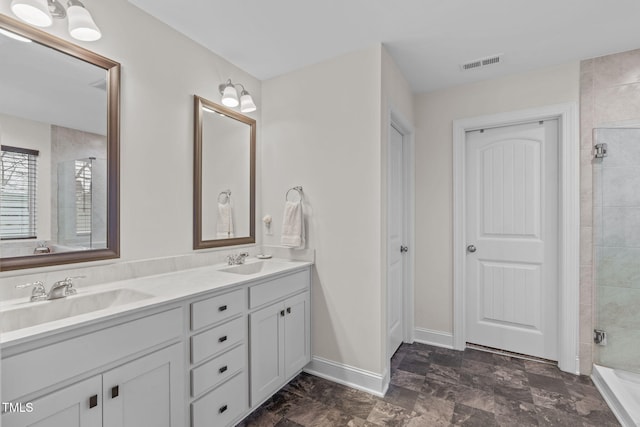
[(59, 136)]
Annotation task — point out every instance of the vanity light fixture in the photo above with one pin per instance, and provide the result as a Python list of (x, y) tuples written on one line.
[(40, 13), (230, 97)]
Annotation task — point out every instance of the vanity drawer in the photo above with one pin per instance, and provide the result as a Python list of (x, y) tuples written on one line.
[(218, 370), (215, 309), (279, 288), (223, 405), (217, 339)]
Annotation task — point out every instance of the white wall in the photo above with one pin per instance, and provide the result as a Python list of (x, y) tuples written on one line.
[(161, 71), (434, 114), (321, 130), (23, 133)]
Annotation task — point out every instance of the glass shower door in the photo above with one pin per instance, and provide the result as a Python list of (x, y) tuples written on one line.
[(617, 247)]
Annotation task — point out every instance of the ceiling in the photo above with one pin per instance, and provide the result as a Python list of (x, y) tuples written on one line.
[(428, 39)]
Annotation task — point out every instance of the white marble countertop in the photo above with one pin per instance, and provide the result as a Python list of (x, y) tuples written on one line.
[(162, 289)]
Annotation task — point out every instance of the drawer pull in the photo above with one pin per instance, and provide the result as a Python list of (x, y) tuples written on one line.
[(115, 392), (222, 409), (288, 310), (222, 308), (222, 339), (282, 313), (93, 401), (223, 369)]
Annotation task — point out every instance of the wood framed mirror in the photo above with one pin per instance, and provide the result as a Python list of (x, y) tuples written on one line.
[(61, 106), (224, 176)]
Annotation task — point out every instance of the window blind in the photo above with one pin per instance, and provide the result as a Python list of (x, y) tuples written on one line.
[(18, 193)]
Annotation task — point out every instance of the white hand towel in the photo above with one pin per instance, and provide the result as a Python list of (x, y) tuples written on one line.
[(293, 225), (224, 227)]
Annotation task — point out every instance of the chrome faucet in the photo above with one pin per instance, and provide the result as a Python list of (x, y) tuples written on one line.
[(60, 289), (237, 259)]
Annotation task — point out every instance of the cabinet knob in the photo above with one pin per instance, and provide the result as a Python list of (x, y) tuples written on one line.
[(222, 308), (282, 313), (93, 401), (222, 409), (222, 339), (223, 369), (288, 310), (115, 392)]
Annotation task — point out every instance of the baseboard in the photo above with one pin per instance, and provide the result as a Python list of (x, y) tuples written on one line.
[(348, 375), (437, 338)]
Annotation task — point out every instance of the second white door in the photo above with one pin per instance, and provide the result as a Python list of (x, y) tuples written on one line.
[(395, 245), (512, 237)]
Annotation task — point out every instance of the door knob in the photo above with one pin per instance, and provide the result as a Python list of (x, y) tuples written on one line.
[(471, 249), (404, 249)]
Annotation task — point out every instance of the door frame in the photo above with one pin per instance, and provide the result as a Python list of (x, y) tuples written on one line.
[(568, 224), (397, 120)]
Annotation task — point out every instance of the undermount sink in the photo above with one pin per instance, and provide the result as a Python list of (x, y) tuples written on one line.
[(252, 268), (36, 313)]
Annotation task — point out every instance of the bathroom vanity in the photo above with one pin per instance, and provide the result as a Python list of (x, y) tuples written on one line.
[(204, 348)]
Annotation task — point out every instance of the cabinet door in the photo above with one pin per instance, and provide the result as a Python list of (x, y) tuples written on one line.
[(296, 334), (147, 392), (79, 405), (267, 351)]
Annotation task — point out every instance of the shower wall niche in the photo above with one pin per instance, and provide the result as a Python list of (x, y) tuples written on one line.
[(617, 247)]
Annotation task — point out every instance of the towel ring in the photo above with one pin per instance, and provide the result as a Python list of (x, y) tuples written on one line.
[(297, 188), (226, 193)]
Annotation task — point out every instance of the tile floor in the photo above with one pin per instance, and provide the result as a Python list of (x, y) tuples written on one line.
[(431, 386)]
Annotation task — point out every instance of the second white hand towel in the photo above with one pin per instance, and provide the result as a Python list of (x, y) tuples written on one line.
[(293, 225), (224, 227)]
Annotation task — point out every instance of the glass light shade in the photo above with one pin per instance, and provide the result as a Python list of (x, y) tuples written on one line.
[(230, 96), (34, 12), (81, 25), (246, 102)]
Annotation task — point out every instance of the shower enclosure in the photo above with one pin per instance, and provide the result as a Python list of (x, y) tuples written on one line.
[(616, 172), (82, 198)]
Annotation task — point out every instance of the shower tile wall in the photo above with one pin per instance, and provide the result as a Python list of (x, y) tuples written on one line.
[(617, 242), (609, 96)]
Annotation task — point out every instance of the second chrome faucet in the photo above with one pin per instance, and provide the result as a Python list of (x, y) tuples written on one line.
[(237, 258), (60, 289)]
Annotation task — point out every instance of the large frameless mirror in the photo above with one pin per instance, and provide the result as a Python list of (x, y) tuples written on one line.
[(59, 126), (224, 176)]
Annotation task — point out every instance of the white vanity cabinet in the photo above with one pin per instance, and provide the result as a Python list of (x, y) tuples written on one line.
[(74, 406), (143, 392), (205, 359), (246, 344), (129, 374), (279, 334), (219, 374)]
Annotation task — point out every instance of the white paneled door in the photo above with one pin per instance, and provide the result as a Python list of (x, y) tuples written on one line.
[(396, 246), (512, 238)]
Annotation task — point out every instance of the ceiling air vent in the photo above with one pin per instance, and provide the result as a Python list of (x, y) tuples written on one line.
[(482, 62)]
